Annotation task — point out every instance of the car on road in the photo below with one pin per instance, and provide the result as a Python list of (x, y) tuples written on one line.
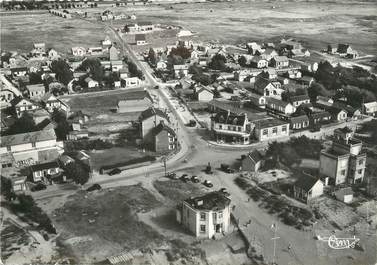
[(172, 175), (94, 187), (39, 186), (226, 168), (208, 183), (115, 171), (185, 178), (195, 179), (225, 192)]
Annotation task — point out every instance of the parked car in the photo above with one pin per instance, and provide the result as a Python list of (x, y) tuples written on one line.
[(185, 178), (156, 87), (208, 183), (39, 186), (115, 171), (94, 187), (225, 192), (192, 123), (195, 179), (172, 175), (226, 168)]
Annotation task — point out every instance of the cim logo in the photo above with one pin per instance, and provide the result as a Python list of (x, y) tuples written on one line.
[(340, 243)]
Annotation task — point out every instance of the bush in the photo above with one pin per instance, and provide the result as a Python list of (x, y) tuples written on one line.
[(87, 144)]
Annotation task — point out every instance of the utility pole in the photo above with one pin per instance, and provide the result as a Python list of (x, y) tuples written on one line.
[(274, 226), (164, 161)]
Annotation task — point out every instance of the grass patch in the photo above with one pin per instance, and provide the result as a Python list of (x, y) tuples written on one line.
[(111, 216), (177, 190)]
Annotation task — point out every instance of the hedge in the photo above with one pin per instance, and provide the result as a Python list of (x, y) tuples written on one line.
[(129, 162)]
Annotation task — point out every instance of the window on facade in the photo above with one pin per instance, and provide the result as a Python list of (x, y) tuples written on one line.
[(361, 161), (220, 127), (360, 171), (343, 172), (239, 129), (8, 148), (220, 215), (214, 216), (33, 144), (284, 128), (202, 216), (274, 130), (265, 132), (229, 128), (202, 228)]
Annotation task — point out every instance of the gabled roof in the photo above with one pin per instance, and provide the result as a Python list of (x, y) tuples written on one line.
[(306, 182), (280, 58), (231, 119), (211, 201), (140, 37), (203, 88), (152, 112), (320, 114), (162, 127), (299, 119), (299, 98), (24, 138), (44, 166), (137, 95), (268, 123), (35, 87), (255, 156), (277, 102)]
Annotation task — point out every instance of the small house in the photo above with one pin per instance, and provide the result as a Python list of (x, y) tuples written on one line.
[(259, 62), (204, 94), (91, 83), (252, 161), (344, 195), (165, 139), (300, 99), (132, 82), (140, 39), (277, 105), (19, 183), (36, 91), (370, 108), (299, 122), (42, 172), (180, 70), (307, 187), (280, 62), (78, 51)]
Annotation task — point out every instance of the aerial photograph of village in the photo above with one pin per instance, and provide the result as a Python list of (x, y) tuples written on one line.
[(188, 132)]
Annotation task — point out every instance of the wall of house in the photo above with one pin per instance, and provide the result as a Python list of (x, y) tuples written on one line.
[(43, 144), (148, 124), (162, 142), (270, 135), (190, 219), (357, 166), (205, 96), (134, 105), (21, 147), (317, 190), (334, 167)]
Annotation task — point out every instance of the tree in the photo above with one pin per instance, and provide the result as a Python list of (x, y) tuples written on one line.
[(6, 188), (218, 62), (93, 67), (181, 51), (62, 71), (76, 172), (242, 61), (152, 56), (62, 128), (24, 124), (134, 71), (35, 78)]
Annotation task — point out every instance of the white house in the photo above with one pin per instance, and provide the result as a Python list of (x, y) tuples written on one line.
[(132, 82), (78, 51), (204, 94), (205, 216), (180, 70), (280, 106), (307, 188), (90, 82)]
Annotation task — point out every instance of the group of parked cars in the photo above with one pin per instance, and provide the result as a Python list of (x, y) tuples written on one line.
[(195, 179)]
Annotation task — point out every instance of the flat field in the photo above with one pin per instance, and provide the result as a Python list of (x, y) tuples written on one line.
[(19, 32), (317, 24)]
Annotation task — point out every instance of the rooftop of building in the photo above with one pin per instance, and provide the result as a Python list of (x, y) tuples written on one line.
[(213, 201), (306, 182), (268, 123), (30, 137)]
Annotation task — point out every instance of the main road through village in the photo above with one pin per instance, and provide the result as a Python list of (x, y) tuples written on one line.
[(196, 152)]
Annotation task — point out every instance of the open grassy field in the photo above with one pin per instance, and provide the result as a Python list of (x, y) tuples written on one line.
[(317, 24), (19, 32)]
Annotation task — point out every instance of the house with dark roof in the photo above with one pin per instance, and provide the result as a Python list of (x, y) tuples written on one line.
[(22, 105), (164, 138), (317, 118), (149, 119), (268, 88), (36, 91), (298, 100), (281, 106), (252, 161), (44, 171), (299, 122), (205, 216), (50, 102), (279, 62), (140, 39), (231, 128), (307, 188)]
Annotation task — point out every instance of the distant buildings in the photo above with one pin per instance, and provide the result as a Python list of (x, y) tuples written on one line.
[(205, 216), (344, 162)]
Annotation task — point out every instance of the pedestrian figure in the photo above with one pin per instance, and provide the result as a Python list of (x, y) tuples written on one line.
[(289, 247)]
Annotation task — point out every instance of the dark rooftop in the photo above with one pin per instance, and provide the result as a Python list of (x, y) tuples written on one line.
[(43, 166), (306, 182), (211, 201), (227, 118), (152, 112), (268, 123)]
